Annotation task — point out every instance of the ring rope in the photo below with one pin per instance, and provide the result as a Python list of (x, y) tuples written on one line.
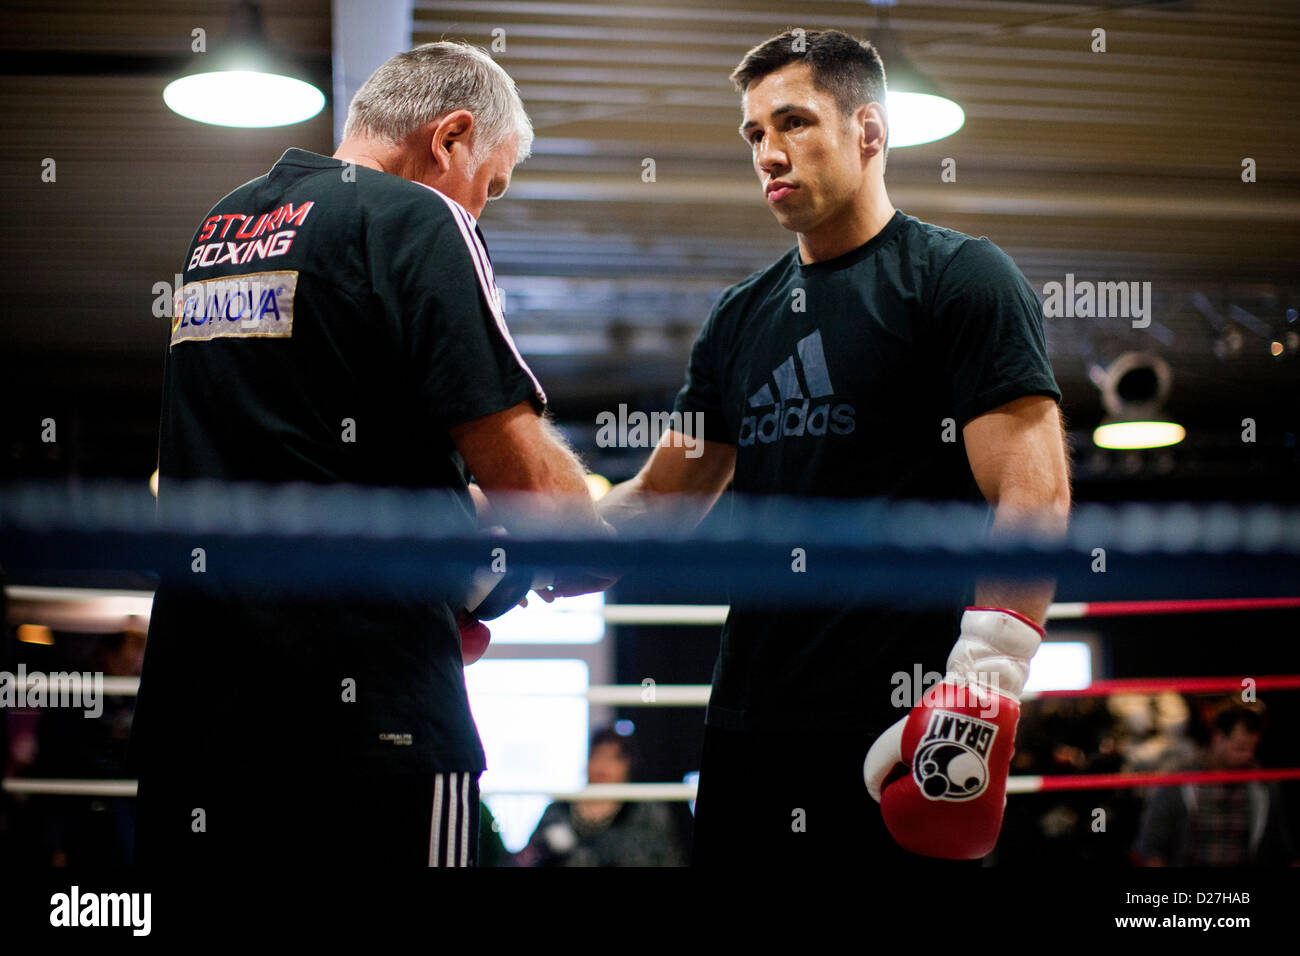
[(304, 540), (697, 695), (26, 601), (669, 792)]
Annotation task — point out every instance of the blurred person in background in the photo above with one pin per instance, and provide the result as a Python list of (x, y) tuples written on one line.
[(1067, 737), (80, 831), (604, 832), (1231, 824), (1154, 732)]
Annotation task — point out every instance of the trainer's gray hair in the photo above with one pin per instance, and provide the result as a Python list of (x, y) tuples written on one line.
[(431, 81)]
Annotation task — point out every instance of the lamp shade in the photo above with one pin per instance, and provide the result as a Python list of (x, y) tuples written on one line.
[(244, 83), (919, 112)]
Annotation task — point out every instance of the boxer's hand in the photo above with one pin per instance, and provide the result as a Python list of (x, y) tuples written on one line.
[(940, 774), (582, 581)]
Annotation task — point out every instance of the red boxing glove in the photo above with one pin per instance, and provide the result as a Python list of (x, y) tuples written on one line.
[(474, 638), (940, 773)]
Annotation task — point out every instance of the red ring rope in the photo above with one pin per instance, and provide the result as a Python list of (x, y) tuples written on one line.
[(1115, 781), (1186, 685), (1190, 606)]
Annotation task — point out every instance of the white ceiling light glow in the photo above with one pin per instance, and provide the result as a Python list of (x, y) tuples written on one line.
[(918, 110), (1134, 390), (916, 118), (243, 98), (1131, 435), (243, 82)]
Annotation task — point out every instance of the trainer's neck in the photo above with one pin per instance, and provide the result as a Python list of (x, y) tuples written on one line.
[(396, 160), (855, 223)]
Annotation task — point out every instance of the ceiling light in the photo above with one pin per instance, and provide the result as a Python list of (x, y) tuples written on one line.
[(916, 118), (918, 110), (245, 84), (1130, 435), (1134, 390)]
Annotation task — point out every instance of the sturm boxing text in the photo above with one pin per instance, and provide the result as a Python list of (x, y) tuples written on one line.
[(262, 236)]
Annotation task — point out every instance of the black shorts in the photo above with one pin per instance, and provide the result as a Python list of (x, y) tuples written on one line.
[(330, 821), (791, 799)]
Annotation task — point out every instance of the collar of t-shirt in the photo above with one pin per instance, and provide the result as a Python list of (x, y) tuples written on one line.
[(293, 156), (853, 256)]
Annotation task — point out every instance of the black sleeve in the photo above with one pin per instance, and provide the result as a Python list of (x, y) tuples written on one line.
[(703, 391), (989, 329), (430, 269)]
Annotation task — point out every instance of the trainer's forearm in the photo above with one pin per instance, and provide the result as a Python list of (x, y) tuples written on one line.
[(547, 483), (526, 475)]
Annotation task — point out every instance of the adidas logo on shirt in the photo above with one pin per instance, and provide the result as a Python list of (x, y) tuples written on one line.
[(796, 414)]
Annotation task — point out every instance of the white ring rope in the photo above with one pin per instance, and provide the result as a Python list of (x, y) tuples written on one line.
[(677, 792), (108, 611), (627, 792)]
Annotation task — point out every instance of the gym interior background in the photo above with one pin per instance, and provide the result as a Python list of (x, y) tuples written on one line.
[(1169, 156)]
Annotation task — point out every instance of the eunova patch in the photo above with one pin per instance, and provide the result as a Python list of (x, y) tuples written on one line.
[(257, 305)]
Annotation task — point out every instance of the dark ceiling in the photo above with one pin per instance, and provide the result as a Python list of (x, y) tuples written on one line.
[(1115, 166)]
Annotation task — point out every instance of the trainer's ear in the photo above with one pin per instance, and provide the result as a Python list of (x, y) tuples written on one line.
[(451, 133)]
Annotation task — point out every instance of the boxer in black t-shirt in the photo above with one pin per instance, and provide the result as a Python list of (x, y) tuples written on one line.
[(882, 357)]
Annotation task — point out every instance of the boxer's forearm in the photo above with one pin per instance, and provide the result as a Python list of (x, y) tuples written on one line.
[(627, 505), (1017, 453), (633, 506), (1015, 513), (673, 490)]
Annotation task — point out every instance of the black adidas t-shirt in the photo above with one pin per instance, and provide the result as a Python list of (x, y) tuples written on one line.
[(842, 379), (334, 324)]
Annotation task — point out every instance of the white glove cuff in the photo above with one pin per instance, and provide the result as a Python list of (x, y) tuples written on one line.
[(994, 650)]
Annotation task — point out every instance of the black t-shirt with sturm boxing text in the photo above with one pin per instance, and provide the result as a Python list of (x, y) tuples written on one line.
[(852, 378), (335, 322)]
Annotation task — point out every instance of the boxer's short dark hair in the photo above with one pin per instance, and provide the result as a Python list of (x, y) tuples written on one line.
[(848, 69)]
